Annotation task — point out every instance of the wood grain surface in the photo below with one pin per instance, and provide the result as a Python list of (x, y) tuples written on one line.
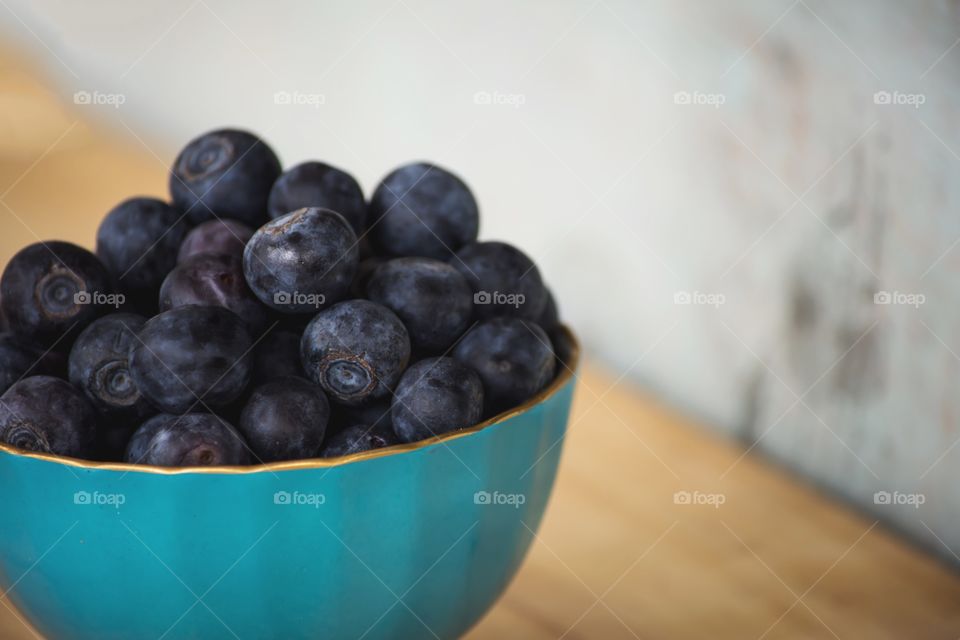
[(761, 556)]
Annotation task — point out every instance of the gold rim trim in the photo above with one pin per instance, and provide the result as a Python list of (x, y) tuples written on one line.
[(562, 378)]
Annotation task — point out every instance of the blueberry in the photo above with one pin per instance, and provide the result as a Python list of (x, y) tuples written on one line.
[(214, 280), (191, 440), (365, 248), (138, 243), (563, 346), (358, 288), (315, 184), (375, 414), (432, 299), (302, 261), (224, 174), (53, 289), (285, 420), (227, 237), (112, 441), (550, 316), (513, 357), (435, 396), (504, 280), (355, 350), (277, 356), (193, 355), (47, 415), (139, 440), (356, 439), (422, 210), (293, 322), (19, 360), (98, 366)]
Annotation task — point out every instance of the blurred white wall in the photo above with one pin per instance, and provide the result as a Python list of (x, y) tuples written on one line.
[(738, 151)]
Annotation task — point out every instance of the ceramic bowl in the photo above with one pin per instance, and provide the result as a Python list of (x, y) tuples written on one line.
[(413, 541)]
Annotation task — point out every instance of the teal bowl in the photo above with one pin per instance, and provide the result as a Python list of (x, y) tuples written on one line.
[(413, 541)]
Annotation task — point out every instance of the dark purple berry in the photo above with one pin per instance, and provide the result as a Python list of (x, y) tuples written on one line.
[(47, 415), (356, 439), (302, 261), (191, 440), (285, 420), (228, 237), (376, 413), (550, 317), (435, 396), (422, 210), (358, 288), (52, 288), (356, 351), (504, 280), (513, 357), (20, 360), (99, 367), (315, 184), (224, 174), (112, 441), (432, 299), (136, 446), (277, 356), (194, 356), (138, 243), (214, 280), (563, 346), (364, 248)]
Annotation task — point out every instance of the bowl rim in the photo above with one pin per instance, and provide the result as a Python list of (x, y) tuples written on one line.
[(568, 368)]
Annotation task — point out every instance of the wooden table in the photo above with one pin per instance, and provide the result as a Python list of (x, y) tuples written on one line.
[(617, 556)]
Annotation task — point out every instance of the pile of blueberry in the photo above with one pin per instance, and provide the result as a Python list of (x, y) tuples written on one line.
[(263, 316)]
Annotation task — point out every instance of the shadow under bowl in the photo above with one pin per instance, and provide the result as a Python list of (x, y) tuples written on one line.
[(412, 541)]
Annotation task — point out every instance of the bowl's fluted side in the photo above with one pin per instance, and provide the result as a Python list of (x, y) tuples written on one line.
[(416, 544)]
